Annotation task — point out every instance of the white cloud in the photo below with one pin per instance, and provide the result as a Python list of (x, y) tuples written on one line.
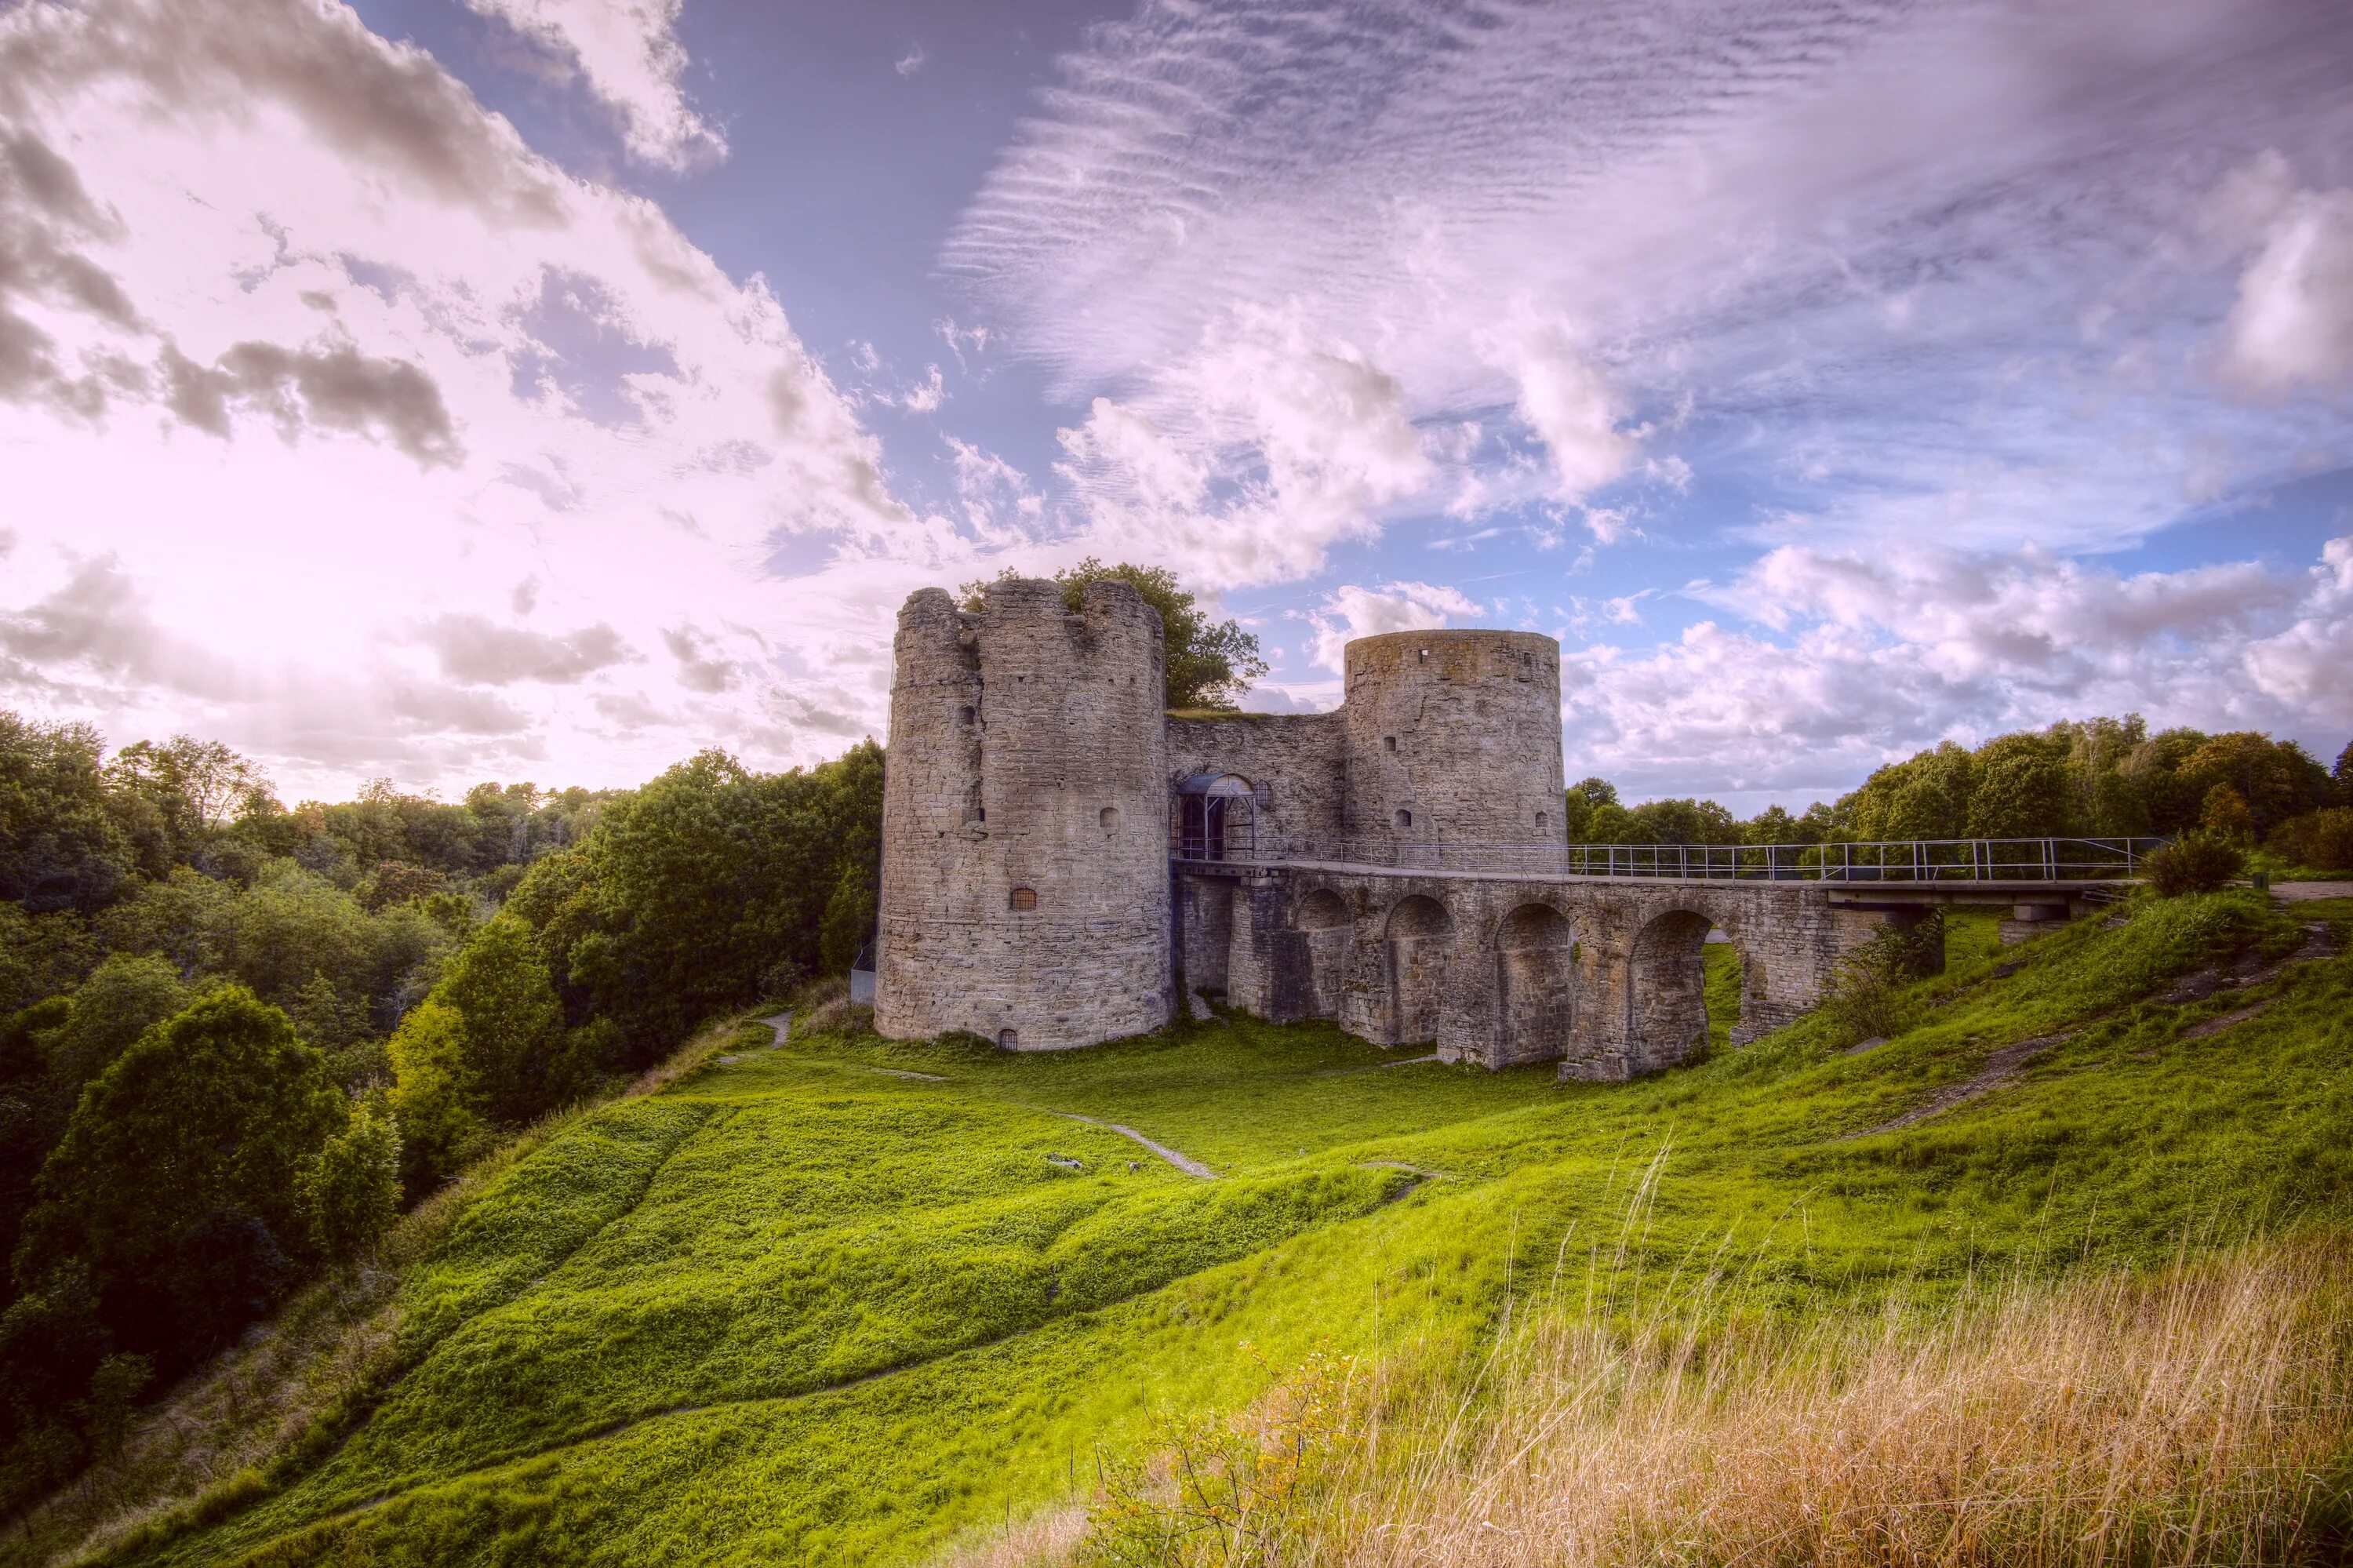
[(2293, 322), (999, 500), (1565, 401), (1882, 655), (925, 396), (911, 62), (1250, 457), (628, 54), (1350, 611), (315, 361)]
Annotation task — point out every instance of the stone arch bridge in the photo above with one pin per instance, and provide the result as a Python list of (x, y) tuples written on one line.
[(1598, 967)]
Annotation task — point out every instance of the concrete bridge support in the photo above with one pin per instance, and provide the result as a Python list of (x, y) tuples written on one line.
[(1603, 976)]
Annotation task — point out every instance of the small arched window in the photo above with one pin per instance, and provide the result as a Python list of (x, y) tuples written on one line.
[(1539, 821), (1404, 817), (1108, 818), (965, 715), (1008, 1040), (1023, 898), (1389, 743)]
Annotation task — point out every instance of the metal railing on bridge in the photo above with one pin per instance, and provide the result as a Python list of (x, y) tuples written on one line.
[(1911, 861)]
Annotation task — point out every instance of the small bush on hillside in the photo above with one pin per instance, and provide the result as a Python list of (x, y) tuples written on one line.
[(1867, 996), (2194, 862), (2321, 840)]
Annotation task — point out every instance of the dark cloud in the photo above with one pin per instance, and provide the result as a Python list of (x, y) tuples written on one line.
[(455, 708), (628, 711), (100, 620), (45, 217), (344, 388), (696, 671), (475, 648)]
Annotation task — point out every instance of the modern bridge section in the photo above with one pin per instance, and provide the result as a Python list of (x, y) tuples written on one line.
[(1601, 973)]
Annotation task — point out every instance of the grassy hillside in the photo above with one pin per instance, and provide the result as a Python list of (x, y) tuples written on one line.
[(848, 1302)]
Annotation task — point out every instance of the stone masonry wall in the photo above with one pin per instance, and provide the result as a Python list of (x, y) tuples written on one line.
[(1299, 759), (1621, 998), (1028, 753), (1460, 729)]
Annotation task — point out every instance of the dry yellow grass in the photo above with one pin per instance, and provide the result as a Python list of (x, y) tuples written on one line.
[(2202, 1416)]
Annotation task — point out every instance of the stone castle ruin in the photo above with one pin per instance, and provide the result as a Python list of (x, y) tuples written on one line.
[(1064, 862)]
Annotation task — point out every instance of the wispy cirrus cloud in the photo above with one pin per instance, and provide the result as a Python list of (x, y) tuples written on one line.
[(1609, 238)]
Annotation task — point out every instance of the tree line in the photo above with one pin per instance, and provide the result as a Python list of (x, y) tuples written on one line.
[(236, 1038), (2101, 777)]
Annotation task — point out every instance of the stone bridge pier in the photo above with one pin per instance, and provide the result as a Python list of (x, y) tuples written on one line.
[(1602, 975)]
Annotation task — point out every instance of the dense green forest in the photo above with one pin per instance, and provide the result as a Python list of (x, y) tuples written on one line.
[(237, 1036)]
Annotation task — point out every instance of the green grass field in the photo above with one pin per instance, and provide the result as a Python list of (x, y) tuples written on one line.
[(804, 1306)]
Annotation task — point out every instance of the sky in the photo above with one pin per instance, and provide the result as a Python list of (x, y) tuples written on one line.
[(450, 390)]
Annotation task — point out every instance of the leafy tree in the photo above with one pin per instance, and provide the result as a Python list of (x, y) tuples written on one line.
[(692, 889), (2021, 788), (180, 1186), (1925, 797), (181, 793), (854, 801), (434, 1095), (42, 954), (354, 1190), (511, 1023), (1210, 664), (51, 1050), (2322, 840), (62, 843), (2342, 775), (1684, 822), (2225, 816), (2277, 779), (1580, 801)]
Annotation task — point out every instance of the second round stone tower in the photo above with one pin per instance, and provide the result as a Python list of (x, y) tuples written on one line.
[(1025, 881), (1453, 738)]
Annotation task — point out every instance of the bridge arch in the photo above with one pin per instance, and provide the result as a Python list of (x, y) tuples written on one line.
[(1535, 975), (1324, 919), (1420, 933), (1666, 992)]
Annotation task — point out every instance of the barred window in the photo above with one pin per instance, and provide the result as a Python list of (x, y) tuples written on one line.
[(1024, 898)]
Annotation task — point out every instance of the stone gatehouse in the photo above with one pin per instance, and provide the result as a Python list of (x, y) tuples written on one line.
[(1064, 862)]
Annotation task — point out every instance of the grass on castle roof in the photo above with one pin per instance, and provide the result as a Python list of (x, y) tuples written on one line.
[(805, 1305)]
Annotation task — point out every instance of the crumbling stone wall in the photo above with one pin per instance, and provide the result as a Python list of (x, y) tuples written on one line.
[(1025, 881), (1027, 890)]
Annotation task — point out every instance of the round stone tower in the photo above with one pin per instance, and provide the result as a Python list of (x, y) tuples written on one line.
[(1025, 855), (1453, 738)]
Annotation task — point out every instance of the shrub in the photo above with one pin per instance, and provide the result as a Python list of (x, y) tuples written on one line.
[(2321, 840), (1867, 995), (2194, 862)]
